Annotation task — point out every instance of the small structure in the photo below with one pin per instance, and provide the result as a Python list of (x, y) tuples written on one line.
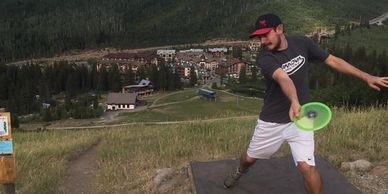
[(379, 20), (167, 55), (208, 94), (144, 88), (121, 101)]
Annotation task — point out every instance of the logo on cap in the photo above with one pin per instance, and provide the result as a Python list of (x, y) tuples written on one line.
[(263, 22)]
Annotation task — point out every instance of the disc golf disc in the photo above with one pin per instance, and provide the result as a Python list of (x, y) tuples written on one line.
[(314, 116)]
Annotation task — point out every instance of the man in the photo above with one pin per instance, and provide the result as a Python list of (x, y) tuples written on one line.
[(283, 64)]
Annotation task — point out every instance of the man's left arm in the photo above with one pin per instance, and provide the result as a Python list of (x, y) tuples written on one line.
[(342, 66)]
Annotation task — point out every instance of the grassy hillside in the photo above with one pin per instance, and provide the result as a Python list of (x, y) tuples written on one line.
[(129, 156), (180, 108), (30, 28)]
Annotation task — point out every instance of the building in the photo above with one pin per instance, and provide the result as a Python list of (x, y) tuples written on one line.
[(167, 55), (232, 67), (121, 101), (129, 60), (144, 88), (191, 50), (218, 52)]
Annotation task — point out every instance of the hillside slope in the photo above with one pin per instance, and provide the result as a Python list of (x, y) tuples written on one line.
[(31, 28)]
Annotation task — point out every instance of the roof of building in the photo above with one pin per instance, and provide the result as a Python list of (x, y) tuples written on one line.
[(144, 82), (121, 98), (232, 61), (161, 52), (218, 50), (146, 55)]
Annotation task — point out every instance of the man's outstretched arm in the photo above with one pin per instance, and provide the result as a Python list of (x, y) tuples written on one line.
[(288, 88), (344, 67)]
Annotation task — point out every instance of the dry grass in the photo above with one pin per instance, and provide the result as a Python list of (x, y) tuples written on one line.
[(41, 157), (129, 156)]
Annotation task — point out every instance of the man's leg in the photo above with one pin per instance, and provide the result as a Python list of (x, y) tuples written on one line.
[(312, 178), (245, 163), (266, 140), (302, 148)]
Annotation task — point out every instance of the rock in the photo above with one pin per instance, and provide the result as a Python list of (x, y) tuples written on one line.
[(161, 175), (379, 171), (171, 183), (358, 165), (346, 166)]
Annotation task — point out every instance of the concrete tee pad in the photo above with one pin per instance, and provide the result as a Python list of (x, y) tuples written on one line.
[(273, 176)]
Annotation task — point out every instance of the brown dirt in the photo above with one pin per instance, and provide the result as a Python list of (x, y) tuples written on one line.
[(80, 175)]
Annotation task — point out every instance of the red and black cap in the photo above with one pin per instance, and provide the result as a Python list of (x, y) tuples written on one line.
[(265, 23)]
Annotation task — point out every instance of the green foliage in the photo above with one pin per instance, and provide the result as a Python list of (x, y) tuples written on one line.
[(237, 52), (256, 88), (371, 39), (193, 77), (44, 28), (214, 85), (243, 75), (343, 90)]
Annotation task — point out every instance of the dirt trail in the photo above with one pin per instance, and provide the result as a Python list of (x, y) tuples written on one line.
[(80, 175)]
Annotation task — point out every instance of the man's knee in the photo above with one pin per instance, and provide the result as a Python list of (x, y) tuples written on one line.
[(248, 159), (306, 169)]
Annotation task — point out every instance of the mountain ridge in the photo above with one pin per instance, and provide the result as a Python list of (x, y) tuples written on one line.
[(31, 28)]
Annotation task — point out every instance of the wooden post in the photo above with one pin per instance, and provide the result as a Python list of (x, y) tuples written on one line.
[(7, 160)]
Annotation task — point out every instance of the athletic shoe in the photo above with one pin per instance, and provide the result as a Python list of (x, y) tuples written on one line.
[(233, 177)]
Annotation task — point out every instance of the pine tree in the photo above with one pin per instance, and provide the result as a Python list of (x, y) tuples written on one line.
[(71, 90), (193, 77), (337, 31), (129, 76), (114, 79), (348, 53), (237, 52), (171, 80), (102, 84), (254, 73), (177, 79), (3, 87), (243, 75)]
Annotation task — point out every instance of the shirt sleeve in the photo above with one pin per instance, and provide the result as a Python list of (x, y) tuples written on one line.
[(314, 52), (268, 65)]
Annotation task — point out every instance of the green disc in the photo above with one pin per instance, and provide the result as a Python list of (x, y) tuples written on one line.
[(314, 116)]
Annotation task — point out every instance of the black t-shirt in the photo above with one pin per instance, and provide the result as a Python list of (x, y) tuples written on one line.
[(293, 62)]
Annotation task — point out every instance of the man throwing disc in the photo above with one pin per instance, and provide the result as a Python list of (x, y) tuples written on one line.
[(284, 64)]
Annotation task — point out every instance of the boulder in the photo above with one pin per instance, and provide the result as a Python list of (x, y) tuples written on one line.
[(358, 165)]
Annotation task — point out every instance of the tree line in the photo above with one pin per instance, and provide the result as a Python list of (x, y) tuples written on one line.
[(72, 90), (33, 29), (343, 90)]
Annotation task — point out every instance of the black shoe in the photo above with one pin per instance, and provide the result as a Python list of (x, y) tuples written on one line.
[(232, 178)]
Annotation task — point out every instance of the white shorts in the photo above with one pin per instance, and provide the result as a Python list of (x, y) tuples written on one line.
[(268, 137)]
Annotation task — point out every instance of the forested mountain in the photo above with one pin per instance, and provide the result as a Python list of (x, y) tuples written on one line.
[(35, 28)]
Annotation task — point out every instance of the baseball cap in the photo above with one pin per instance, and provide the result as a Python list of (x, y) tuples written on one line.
[(265, 23)]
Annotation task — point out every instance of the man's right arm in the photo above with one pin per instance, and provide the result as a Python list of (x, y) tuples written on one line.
[(288, 88)]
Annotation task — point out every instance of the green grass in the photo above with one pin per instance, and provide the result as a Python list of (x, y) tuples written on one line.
[(226, 105), (177, 96), (41, 158), (130, 156), (355, 135)]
